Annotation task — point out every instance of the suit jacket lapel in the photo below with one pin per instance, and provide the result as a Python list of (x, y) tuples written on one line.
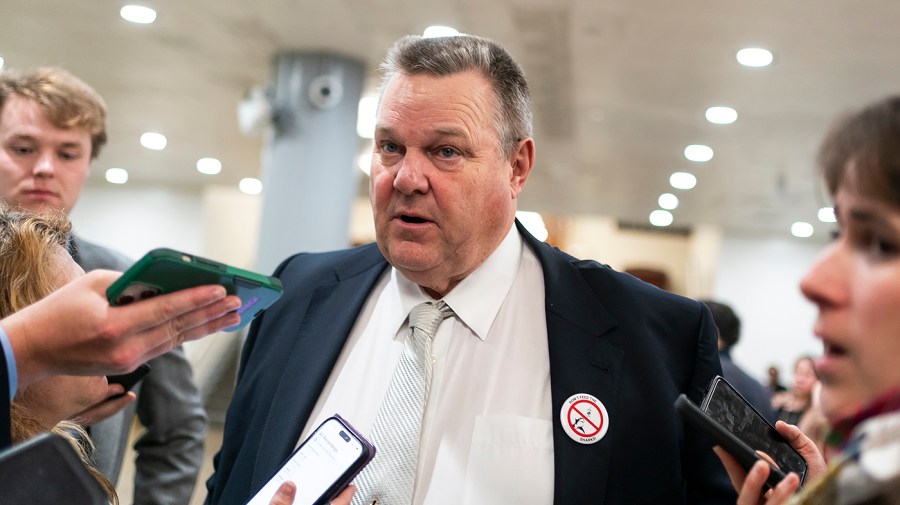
[(580, 362), (320, 336)]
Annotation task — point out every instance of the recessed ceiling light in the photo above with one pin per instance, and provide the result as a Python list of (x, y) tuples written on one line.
[(2, 61), (209, 166), (250, 185), (661, 218), (698, 152), (439, 31), (534, 223), (826, 215), (754, 57), (801, 229), (138, 14), (682, 180), (117, 175), (721, 115), (155, 141), (668, 201)]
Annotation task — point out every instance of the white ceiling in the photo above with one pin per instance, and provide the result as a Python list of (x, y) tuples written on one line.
[(620, 87)]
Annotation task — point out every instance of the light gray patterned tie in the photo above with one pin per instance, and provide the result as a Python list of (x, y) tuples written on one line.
[(390, 478)]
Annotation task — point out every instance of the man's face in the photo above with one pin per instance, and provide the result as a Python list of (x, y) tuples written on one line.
[(41, 166), (443, 194)]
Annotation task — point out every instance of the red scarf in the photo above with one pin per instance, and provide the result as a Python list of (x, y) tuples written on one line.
[(839, 436)]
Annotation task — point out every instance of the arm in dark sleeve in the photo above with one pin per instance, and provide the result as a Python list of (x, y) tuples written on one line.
[(705, 478)]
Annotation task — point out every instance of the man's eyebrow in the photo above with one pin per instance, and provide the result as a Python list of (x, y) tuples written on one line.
[(446, 131)]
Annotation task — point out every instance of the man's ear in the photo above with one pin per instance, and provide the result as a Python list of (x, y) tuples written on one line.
[(521, 161)]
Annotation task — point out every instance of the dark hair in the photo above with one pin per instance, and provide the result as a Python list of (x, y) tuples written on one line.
[(67, 101), (863, 149), (443, 56), (726, 320)]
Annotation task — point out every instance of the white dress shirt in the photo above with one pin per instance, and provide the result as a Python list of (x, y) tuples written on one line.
[(487, 430)]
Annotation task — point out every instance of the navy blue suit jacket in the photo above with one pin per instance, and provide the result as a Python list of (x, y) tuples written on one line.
[(631, 345)]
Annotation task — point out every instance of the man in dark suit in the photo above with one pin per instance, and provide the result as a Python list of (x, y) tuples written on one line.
[(552, 380)]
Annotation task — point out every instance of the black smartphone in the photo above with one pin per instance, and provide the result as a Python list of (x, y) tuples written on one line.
[(128, 380), (727, 417), (164, 270), (323, 465), (45, 470)]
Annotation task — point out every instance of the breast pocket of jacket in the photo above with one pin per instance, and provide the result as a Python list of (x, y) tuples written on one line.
[(510, 461)]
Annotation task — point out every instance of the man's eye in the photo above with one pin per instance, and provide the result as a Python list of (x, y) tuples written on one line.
[(447, 152), (390, 147), (68, 156), (21, 151)]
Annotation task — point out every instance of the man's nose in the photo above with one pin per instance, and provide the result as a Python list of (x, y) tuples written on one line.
[(411, 173), (45, 166)]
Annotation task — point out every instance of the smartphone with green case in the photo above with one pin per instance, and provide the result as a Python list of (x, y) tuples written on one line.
[(163, 270)]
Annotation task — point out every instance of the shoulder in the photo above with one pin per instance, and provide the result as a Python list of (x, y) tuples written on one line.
[(331, 265), (93, 256)]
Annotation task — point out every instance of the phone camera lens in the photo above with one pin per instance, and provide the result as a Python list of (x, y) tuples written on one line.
[(344, 436), (124, 299), (147, 294)]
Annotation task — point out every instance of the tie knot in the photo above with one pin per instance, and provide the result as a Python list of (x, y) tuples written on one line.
[(427, 316)]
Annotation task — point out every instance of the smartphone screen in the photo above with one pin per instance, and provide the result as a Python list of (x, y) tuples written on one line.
[(727, 407), (323, 465)]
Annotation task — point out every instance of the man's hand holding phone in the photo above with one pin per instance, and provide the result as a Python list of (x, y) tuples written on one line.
[(287, 491), (321, 469)]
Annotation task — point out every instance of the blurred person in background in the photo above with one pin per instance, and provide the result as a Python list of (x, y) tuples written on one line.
[(774, 384), (792, 403), (729, 327), (856, 286)]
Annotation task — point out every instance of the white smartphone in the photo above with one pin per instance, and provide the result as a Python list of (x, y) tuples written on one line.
[(323, 465)]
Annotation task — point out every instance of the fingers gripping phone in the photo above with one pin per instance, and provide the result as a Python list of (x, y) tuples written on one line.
[(164, 270), (128, 380), (323, 465), (727, 417)]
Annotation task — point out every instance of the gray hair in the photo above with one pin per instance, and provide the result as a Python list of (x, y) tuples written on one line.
[(444, 56)]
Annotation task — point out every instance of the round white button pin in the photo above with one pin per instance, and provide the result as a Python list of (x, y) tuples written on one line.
[(584, 418)]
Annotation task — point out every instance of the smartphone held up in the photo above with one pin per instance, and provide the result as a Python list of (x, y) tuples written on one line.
[(733, 423), (162, 271)]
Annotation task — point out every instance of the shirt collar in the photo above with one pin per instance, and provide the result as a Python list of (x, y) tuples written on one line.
[(476, 300)]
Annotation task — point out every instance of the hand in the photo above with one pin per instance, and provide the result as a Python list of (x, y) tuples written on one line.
[(286, 493), (105, 409), (75, 331), (751, 493), (750, 485)]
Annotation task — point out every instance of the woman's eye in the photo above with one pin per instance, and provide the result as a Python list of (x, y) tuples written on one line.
[(881, 247)]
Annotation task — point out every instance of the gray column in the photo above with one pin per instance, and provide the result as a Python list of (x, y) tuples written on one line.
[(309, 175)]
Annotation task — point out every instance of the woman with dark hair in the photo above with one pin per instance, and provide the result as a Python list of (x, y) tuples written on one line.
[(856, 287)]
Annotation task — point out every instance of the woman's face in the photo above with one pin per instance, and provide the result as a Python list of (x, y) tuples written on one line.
[(804, 376), (63, 397), (856, 286)]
